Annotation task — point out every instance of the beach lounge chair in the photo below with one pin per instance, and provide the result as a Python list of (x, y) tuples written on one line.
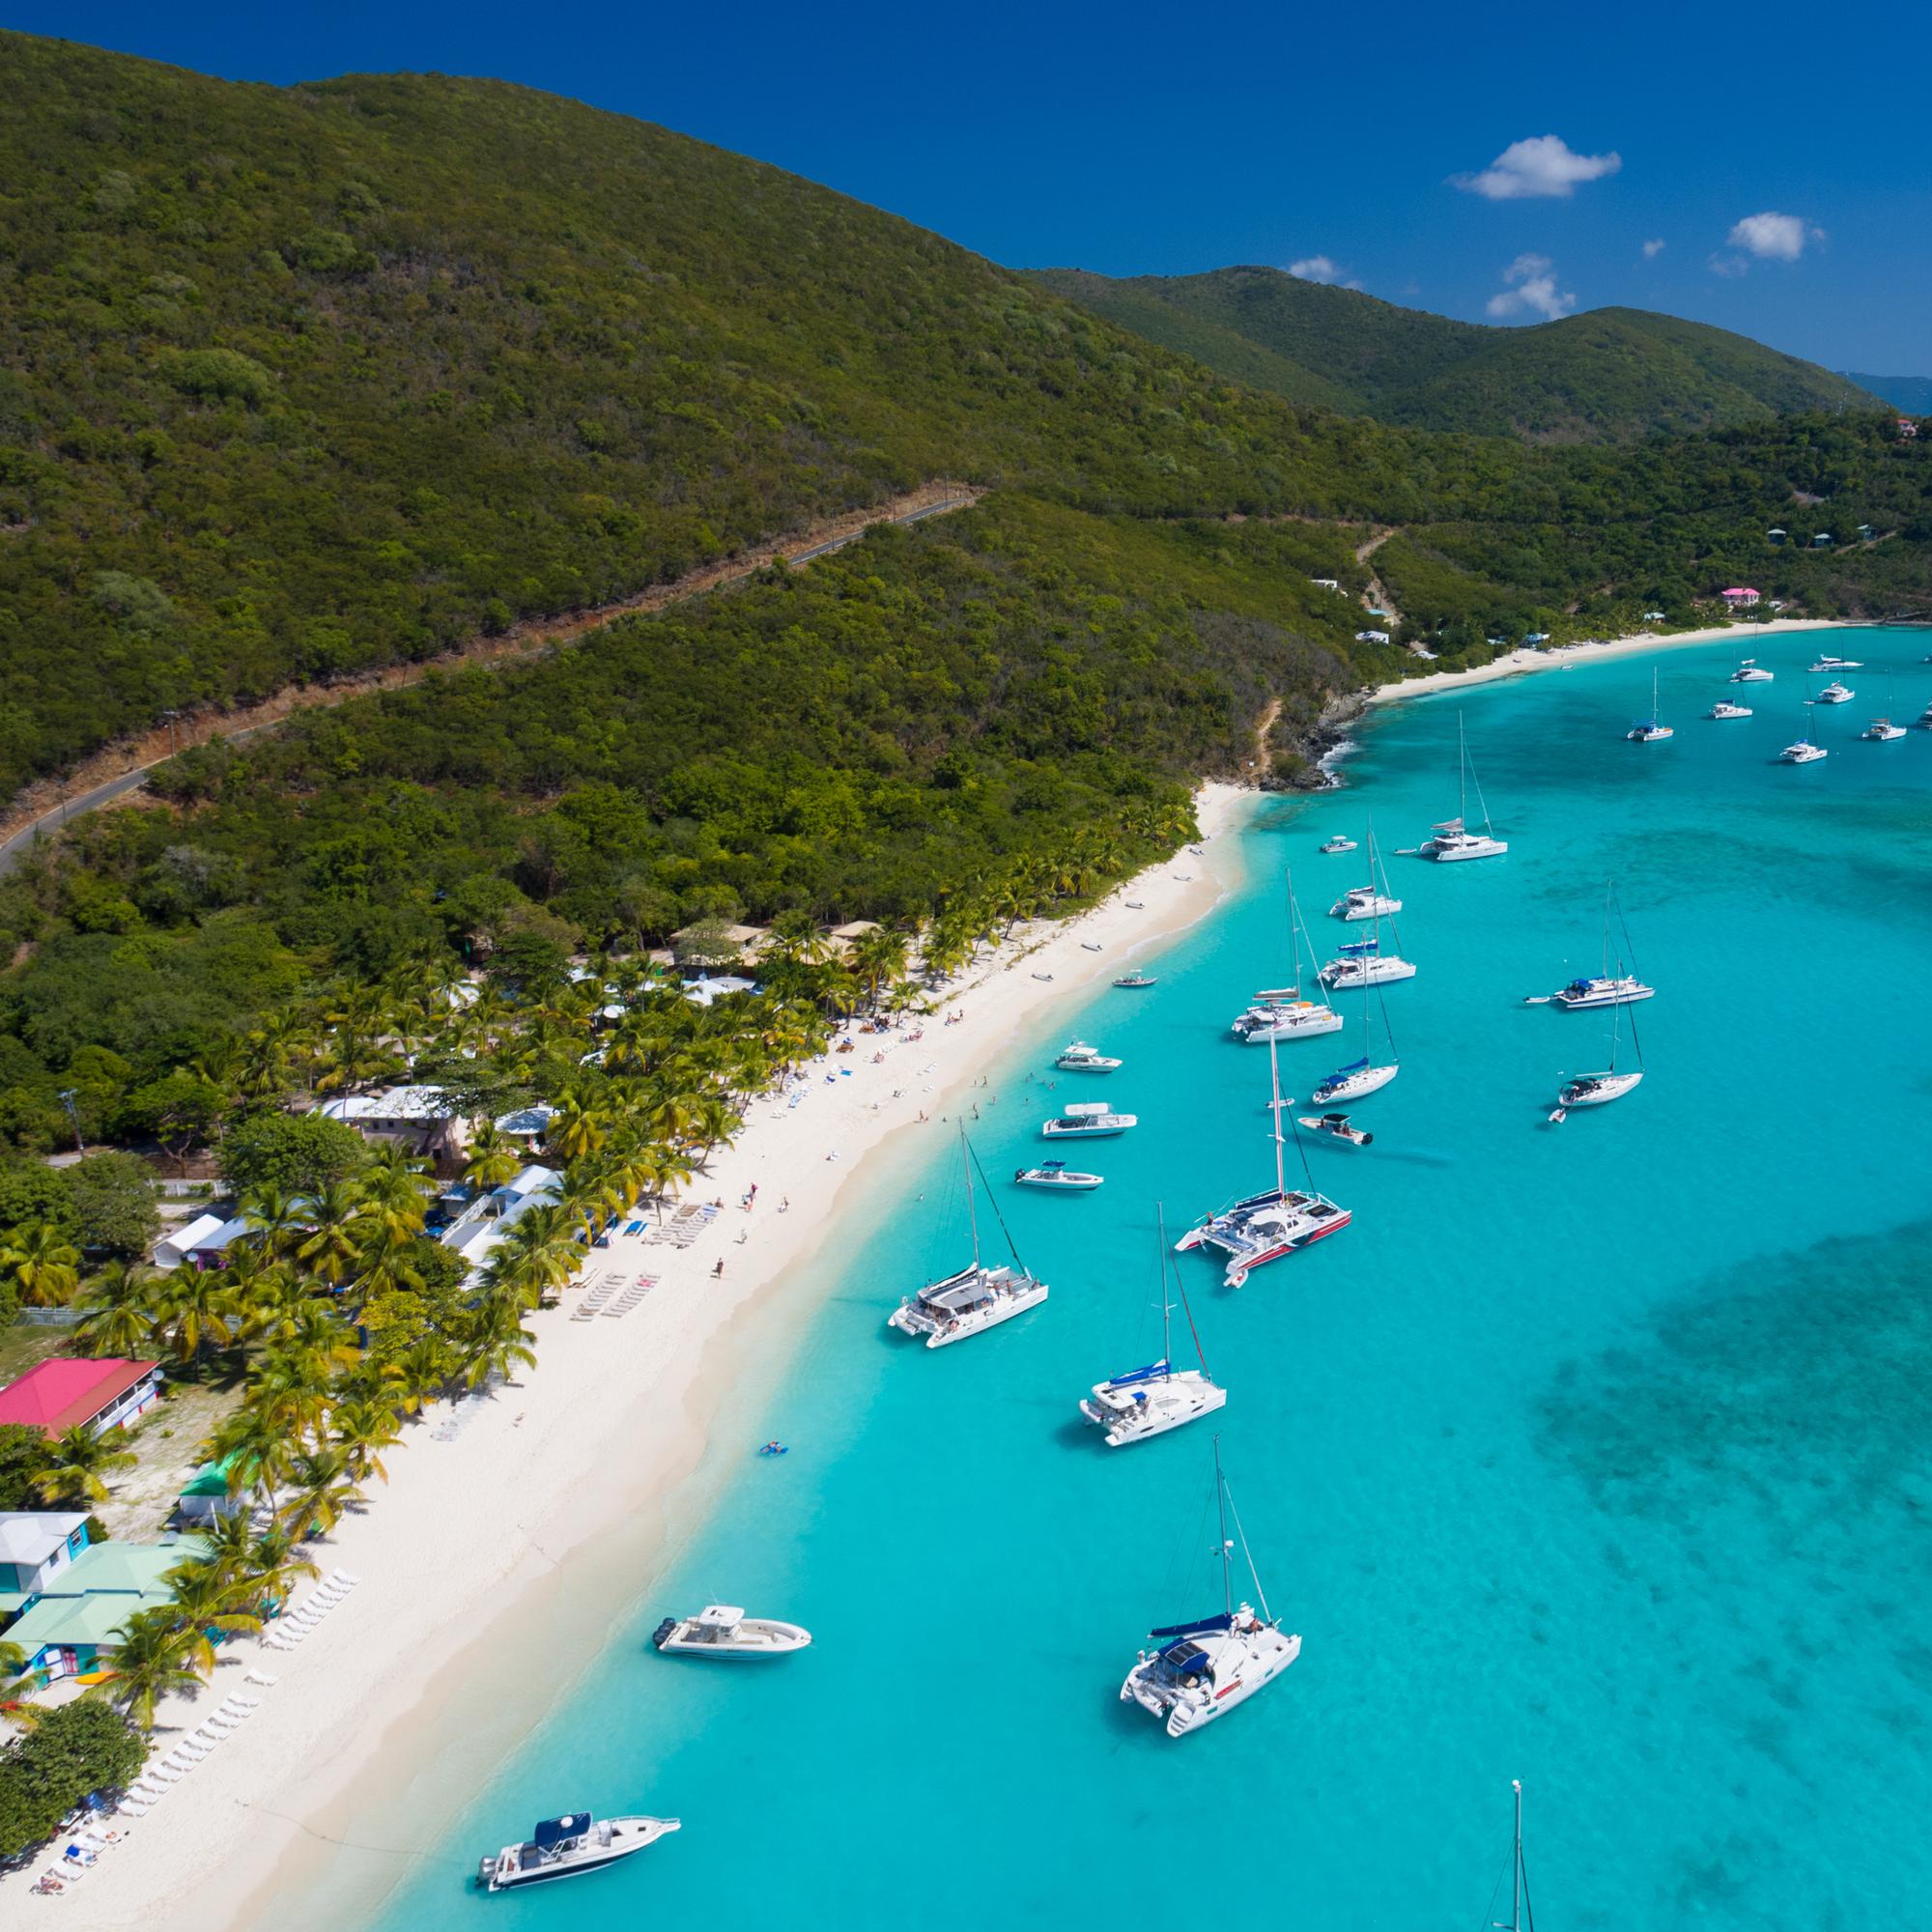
[(262, 1677)]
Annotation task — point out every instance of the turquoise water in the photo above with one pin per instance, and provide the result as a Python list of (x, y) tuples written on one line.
[(1596, 1454)]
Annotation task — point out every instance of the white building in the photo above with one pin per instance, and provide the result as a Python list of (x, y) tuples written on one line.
[(420, 1117), (480, 1229), (35, 1545)]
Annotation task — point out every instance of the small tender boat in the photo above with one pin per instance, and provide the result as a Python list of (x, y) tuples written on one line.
[(1336, 1126), (1836, 693), (1056, 1175), (1751, 671), (1136, 905), (1364, 903), (1135, 981), (1802, 752), (1647, 731), (1724, 708), (1077, 1056), (1825, 664), (1089, 946), (1092, 1119), (1338, 844), (569, 1846), (724, 1631)]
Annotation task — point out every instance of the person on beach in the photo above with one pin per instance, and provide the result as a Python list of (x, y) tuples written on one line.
[(720, 1268)]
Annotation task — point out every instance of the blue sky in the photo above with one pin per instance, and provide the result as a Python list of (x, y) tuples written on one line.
[(1779, 154)]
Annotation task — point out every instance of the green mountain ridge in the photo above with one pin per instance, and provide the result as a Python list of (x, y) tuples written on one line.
[(1611, 373), (1911, 393)]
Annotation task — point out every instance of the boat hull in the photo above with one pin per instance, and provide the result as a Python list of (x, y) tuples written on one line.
[(1608, 1086), (765, 1638), (1195, 1709), (1340, 973), (1071, 1184), (1256, 1030), (1171, 1404), (1583, 1003), (1370, 1080), (1480, 848), (1054, 1130), (630, 1836), (963, 1327)]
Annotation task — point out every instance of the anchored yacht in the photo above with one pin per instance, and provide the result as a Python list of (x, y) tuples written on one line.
[(1057, 1175), (1280, 1013), (1647, 731), (1825, 664), (1598, 1090), (1201, 1670), (1364, 903), (1801, 751), (1607, 989), (1751, 671), (976, 1298), (725, 1631), (1724, 708), (1882, 730), (1080, 1057), (1088, 1120), (1365, 964), (1452, 839), (569, 1846), (1836, 693), (1338, 844)]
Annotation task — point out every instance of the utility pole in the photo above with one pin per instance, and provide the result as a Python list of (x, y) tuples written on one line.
[(171, 716), (67, 1094)]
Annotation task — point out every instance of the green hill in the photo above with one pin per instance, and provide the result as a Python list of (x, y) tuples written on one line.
[(1911, 393), (1610, 375)]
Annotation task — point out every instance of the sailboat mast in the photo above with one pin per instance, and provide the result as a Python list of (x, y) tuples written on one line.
[(1515, 1864), (1462, 774), (971, 1206), (1274, 1116), (1166, 1306), (1227, 1549)]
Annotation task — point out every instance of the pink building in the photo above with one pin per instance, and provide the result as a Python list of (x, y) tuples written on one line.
[(1741, 599)]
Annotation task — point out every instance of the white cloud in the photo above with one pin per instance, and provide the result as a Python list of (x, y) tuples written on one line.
[(1773, 238), (1653, 249), (1532, 290), (1322, 268), (1541, 165)]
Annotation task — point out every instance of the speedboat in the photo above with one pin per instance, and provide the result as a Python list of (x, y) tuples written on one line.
[(1135, 981), (1336, 1126), (1881, 730), (1365, 964), (566, 1847), (1835, 693), (1364, 903), (1724, 708), (1201, 1670), (1056, 1175), (1281, 1014), (1339, 845), (724, 1631), (1803, 753), (1080, 1057), (1839, 664), (1088, 1120), (1352, 1082), (1607, 989), (1751, 671), (966, 1305), (1596, 1090)]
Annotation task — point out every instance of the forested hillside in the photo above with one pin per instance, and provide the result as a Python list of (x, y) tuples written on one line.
[(1610, 375)]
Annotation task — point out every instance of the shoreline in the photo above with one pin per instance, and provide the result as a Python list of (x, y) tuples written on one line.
[(528, 1533), (1522, 661)]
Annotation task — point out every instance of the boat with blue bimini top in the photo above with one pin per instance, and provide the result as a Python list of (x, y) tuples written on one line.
[(977, 1297), (1365, 964), (1201, 1670), (1088, 1120), (568, 1847), (1056, 1177)]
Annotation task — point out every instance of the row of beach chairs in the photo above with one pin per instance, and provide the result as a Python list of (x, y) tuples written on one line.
[(161, 1775), (287, 1633)]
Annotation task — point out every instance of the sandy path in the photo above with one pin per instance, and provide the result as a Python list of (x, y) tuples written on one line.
[(491, 1555)]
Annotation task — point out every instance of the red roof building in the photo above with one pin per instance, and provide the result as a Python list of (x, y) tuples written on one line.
[(58, 1395)]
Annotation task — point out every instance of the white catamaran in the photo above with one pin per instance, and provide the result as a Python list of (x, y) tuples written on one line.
[(1148, 1402), (1648, 730), (1452, 839), (1280, 1013), (1363, 962), (976, 1298), (1201, 1670), (1262, 1228)]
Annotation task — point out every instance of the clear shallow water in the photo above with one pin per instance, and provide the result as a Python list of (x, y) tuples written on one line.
[(1599, 1456)]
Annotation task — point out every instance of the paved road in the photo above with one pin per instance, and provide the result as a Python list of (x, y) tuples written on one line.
[(24, 842)]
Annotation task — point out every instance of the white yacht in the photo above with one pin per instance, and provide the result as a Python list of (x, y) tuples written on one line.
[(1647, 731), (1201, 1670), (1724, 708), (1079, 1058), (1262, 1228), (1826, 664), (1338, 844), (976, 1298), (1088, 1120), (1452, 839), (1925, 718), (725, 1631), (1148, 1402), (569, 1846), (1881, 730), (1604, 989), (1057, 1177), (1365, 964), (1598, 1090), (1836, 693), (1751, 671), (1363, 902), (1280, 1013), (1361, 1076), (1801, 751)]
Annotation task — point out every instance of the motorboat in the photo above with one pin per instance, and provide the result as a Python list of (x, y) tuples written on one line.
[(1151, 1401), (1829, 664), (1881, 730), (1338, 844), (1724, 708), (1647, 731), (1056, 1175), (725, 1631), (1281, 1013), (1080, 1057), (1836, 693), (1751, 671), (1452, 839), (1365, 964), (1604, 989), (1802, 752), (1364, 903), (977, 1297), (1336, 1128), (1088, 1120), (568, 1847), (1262, 1228), (1134, 982), (1201, 1670)]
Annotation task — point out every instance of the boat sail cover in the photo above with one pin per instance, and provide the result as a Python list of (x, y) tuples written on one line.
[(1448, 824), (1153, 1373), (1219, 1621), (1360, 946), (1353, 1066)]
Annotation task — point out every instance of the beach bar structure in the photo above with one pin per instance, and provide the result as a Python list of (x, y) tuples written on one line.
[(207, 1499), (58, 1394), (72, 1625)]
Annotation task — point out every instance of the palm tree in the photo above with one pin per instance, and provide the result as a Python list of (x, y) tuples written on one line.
[(324, 1489), (197, 1306), (209, 1603), (580, 1125), (493, 1159), (151, 1660), (498, 1342), (362, 1431), (277, 1219), (395, 1189), (422, 1372), (121, 1311), (39, 1261), (335, 1247), (254, 1445), (77, 1465)]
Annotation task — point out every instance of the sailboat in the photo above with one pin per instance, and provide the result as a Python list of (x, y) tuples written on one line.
[(1598, 1090), (1148, 1402), (1521, 1917), (1606, 989), (1453, 838), (1802, 750), (976, 1298), (1647, 731), (1364, 963), (1881, 730), (1264, 1227), (1199, 1671), (1359, 1077), (1280, 1013)]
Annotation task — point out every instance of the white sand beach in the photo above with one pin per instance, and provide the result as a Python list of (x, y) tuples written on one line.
[(1517, 664), (516, 1528)]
